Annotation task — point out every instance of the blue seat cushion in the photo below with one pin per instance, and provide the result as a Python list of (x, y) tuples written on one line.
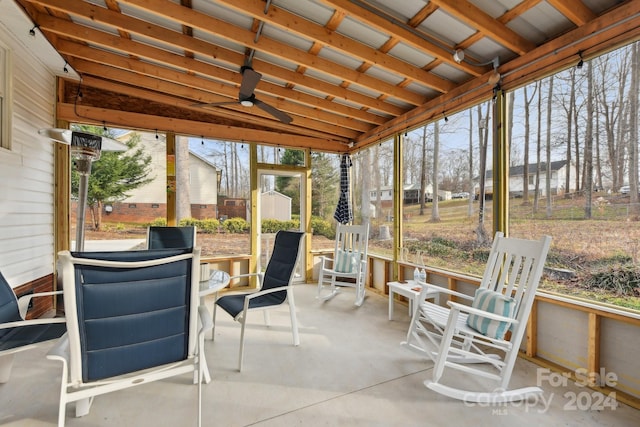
[(132, 318), (32, 334), (234, 304)]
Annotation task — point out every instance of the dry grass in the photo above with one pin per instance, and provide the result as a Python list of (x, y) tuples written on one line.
[(580, 245)]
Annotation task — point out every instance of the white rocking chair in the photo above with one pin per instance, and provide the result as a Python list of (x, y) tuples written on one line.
[(461, 335), (348, 267)]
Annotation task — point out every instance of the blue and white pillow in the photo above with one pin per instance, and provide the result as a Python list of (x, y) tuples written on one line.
[(492, 302), (346, 261)]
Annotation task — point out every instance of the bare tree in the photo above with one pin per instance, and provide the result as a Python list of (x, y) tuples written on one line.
[(423, 171), (527, 137), (435, 213), (548, 145), (183, 197), (588, 144), (483, 133), (633, 130), (471, 192), (536, 196)]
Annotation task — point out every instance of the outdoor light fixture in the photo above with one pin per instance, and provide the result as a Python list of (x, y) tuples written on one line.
[(65, 69), (85, 148), (581, 62), (495, 76), (458, 55), (32, 31)]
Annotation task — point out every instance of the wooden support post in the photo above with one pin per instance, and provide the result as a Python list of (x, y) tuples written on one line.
[(593, 347)]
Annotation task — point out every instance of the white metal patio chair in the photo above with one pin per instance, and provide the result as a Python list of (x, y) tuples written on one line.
[(348, 267), (18, 334), (130, 321), (183, 237), (275, 288), (483, 339)]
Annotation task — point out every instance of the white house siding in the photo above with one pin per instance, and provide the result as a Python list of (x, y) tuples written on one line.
[(156, 190), (27, 169), (202, 186)]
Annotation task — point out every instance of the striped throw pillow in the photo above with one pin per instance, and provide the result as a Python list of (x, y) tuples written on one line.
[(492, 302), (346, 261)]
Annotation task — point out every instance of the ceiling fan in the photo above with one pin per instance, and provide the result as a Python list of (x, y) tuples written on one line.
[(247, 98)]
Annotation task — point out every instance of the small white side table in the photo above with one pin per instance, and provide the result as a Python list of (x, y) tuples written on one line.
[(407, 291)]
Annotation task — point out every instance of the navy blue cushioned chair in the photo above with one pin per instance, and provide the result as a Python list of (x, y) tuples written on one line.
[(274, 287), (132, 317), (18, 334), (171, 237)]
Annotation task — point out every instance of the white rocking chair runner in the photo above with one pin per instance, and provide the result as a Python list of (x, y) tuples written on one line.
[(348, 267), (461, 336)]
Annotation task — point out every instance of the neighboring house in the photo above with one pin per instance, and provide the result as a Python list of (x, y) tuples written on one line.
[(558, 170), (275, 205), (149, 201), (411, 194)]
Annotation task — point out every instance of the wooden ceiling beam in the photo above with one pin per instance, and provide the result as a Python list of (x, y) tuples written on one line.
[(220, 28), (476, 18), (405, 35), (574, 10), (168, 93), (289, 22), (128, 120), (234, 113), (187, 87), (228, 56), (325, 110), (604, 33)]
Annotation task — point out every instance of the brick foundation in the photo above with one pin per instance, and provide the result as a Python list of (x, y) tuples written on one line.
[(40, 305)]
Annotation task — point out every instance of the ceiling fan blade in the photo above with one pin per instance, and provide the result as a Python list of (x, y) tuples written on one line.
[(283, 117), (216, 104), (250, 79)]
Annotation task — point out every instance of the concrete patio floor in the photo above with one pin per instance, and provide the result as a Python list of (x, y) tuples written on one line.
[(349, 370)]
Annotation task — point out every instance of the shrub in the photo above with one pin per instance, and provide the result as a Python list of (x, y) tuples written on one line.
[(322, 227), (159, 222), (187, 222), (208, 225), (274, 225), (236, 225)]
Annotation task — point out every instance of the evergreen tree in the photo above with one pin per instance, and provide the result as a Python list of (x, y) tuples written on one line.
[(113, 175)]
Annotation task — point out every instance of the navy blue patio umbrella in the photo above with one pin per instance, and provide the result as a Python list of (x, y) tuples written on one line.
[(344, 212)]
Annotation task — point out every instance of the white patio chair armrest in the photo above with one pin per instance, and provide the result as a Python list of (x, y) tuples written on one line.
[(326, 260), (482, 313), (24, 300), (266, 292), (440, 289), (30, 322), (60, 350)]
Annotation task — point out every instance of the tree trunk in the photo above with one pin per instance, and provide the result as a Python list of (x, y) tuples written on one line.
[(548, 172), (483, 133), (435, 213), (572, 106), (588, 145), (536, 196), (471, 189), (183, 198), (633, 131), (423, 171)]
